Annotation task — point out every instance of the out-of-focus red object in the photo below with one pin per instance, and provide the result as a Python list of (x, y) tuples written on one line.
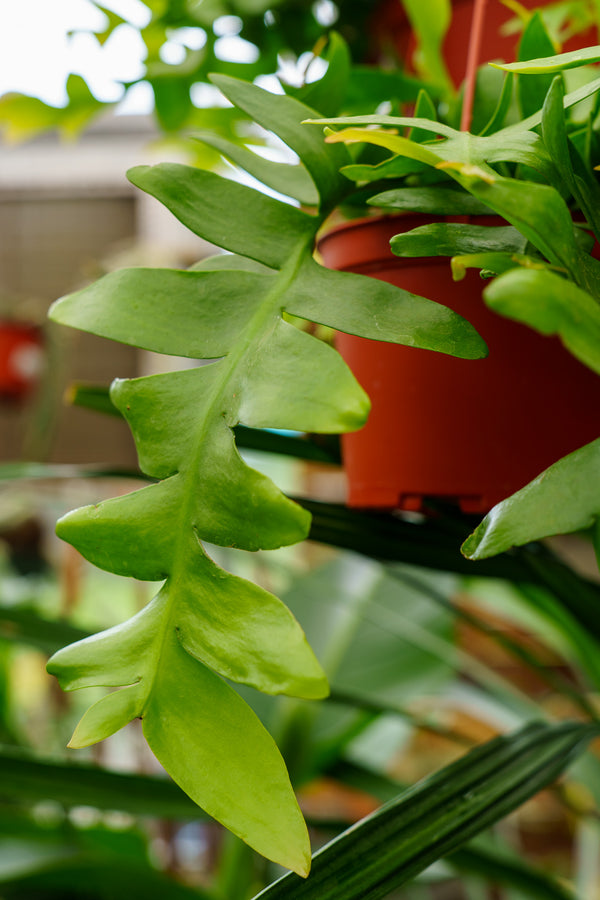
[(390, 25), (21, 358), (467, 431)]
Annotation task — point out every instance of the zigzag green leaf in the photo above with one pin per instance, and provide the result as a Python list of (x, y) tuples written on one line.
[(537, 210), (377, 310), (290, 180), (284, 117), (449, 238), (437, 200), (194, 721), (207, 319), (230, 215), (204, 625)]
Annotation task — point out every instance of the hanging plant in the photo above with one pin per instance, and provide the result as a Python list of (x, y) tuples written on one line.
[(205, 625)]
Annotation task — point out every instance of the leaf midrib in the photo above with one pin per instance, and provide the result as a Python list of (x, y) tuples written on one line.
[(257, 327)]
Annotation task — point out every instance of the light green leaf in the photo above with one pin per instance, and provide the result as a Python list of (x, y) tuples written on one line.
[(564, 498), (114, 21), (490, 263), (552, 305), (458, 147), (193, 720), (556, 63), (430, 23), (435, 128), (343, 407), (537, 210), (195, 723), (264, 373), (448, 239), (111, 658), (108, 715), (22, 117), (437, 815)]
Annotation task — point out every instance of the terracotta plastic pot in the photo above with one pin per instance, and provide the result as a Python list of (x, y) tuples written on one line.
[(390, 25), (21, 358), (467, 431)]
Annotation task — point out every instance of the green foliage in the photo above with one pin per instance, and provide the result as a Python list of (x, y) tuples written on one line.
[(23, 117), (545, 301), (404, 836), (172, 664), (562, 499), (265, 373), (267, 34), (547, 279)]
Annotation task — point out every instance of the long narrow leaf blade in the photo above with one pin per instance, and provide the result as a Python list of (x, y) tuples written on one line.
[(438, 815), (27, 778)]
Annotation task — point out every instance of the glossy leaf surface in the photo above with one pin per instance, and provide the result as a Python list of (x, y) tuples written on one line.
[(205, 624), (555, 63), (448, 239), (551, 305), (564, 498)]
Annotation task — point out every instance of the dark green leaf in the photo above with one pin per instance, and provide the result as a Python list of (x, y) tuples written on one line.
[(574, 174), (433, 544), (290, 180), (328, 93), (26, 626), (262, 228), (27, 778), (437, 816), (501, 111), (424, 109), (442, 201), (89, 878), (502, 868), (448, 239), (378, 310), (172, 100)]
